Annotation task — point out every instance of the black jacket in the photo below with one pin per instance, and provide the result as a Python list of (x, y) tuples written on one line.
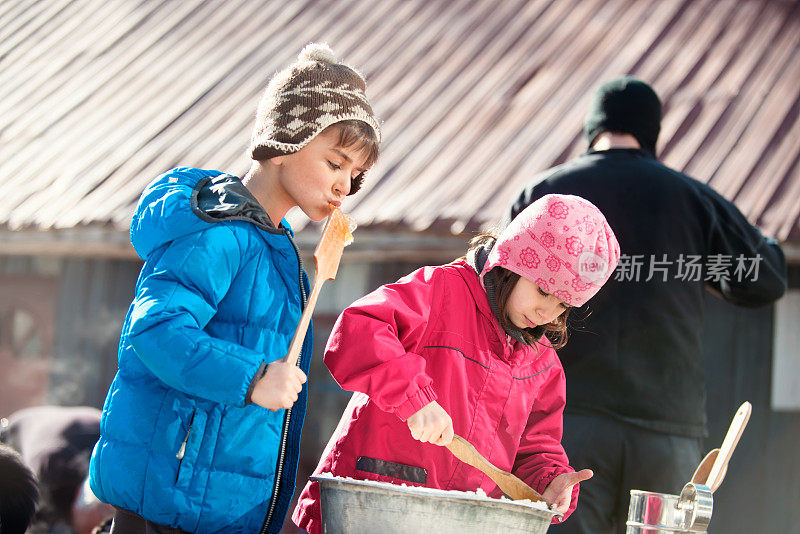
[(638, 355)]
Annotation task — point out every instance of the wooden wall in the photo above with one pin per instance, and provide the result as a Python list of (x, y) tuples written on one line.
[(91, 297), (95, 295)]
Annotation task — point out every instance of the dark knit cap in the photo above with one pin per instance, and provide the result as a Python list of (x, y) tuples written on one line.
[(305, 98), (625, 105)]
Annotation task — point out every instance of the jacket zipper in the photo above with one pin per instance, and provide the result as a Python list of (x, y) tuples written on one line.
[(182, 450), (288, 417)]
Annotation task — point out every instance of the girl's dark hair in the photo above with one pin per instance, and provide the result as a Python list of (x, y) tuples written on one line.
[(506, 280), (360, 136)]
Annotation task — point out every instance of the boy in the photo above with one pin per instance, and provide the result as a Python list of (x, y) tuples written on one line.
[(201, 425)]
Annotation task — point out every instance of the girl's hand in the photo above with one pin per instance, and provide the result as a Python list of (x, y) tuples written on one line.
[(279, 386), (559, 491), (431, 424)]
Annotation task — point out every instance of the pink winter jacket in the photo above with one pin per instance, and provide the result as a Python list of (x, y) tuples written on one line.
[(432, 336)]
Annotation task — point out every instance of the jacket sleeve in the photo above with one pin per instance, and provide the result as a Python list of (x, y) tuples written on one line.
[(173, 305), (540, 456), (757, 272), (371, 346)]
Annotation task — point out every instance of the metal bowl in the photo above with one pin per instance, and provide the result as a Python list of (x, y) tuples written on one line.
[(364, 506)]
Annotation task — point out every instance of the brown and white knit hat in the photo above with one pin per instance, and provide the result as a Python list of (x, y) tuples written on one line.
[(304, 99)]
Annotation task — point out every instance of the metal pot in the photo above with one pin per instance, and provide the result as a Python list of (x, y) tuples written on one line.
[(662, 513), (364, 506)]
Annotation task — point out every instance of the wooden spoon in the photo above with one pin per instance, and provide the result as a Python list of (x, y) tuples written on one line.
[(701, 473), (720, 466), (508, 483), (335, 236), (714, 466)]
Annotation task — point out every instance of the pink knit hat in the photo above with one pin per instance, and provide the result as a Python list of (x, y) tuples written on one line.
[(563, 244)]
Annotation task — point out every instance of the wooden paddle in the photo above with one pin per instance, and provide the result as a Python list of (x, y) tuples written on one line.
[(712, 469), (508, 483), (335, 236), (701, 473)]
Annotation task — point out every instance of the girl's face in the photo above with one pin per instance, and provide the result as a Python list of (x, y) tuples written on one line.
[(529, 306)]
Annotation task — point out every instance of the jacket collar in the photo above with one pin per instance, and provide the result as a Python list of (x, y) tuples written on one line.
[(225, 197), (616, 151)]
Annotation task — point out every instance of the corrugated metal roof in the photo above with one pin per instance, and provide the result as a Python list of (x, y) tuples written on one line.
[(477, 96)]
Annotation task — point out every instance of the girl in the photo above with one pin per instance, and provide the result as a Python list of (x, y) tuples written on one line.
[(461, 348)]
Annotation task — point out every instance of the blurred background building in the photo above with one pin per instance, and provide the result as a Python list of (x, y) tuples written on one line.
[(97, 98)]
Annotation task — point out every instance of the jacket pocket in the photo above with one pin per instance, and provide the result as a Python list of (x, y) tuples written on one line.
[(460, 373), (459, 351), (474, 353), (190, 448), (394, 471)]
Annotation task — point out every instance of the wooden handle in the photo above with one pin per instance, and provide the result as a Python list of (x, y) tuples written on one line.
[(731, 439), (700, 475), (305, 319), (335, 236), (508, 483), (467, 453)]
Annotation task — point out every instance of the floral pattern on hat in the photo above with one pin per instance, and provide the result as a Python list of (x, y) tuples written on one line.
[(529, 258), (579, 285), (558, 210), (503, 251), (542, 283), (563, 295), (574, 245), (588, 225)]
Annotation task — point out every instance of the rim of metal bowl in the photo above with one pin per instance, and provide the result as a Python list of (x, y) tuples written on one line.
[(418, 491)]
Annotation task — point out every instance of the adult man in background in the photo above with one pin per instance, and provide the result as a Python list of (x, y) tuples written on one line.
[(635, 386)]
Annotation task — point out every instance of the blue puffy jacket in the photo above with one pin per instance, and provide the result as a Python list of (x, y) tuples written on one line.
[(218, 298)]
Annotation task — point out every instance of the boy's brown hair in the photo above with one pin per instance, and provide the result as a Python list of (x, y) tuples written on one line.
[(361, 137)]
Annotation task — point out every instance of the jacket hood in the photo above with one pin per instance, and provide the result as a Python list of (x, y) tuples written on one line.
[(186, 200)]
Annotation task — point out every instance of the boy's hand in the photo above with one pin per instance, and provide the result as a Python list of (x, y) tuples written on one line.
[(431, 424), (559, 491), (279, 386)]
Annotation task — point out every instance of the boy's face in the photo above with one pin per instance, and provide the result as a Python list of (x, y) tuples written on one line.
[(319, 174), (529, 306)]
